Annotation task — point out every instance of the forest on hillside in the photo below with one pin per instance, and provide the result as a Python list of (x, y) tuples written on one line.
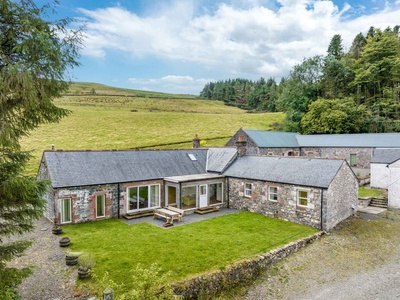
[(342, 92)]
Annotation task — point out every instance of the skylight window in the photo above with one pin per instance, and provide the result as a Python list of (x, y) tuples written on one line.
[(192, 157)]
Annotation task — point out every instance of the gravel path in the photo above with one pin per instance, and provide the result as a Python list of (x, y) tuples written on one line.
[(51, 278)]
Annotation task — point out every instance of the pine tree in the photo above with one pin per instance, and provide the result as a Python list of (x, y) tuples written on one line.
[(34, 57)]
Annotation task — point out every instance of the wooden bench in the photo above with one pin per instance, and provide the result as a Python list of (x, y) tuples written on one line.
[(167, 219)]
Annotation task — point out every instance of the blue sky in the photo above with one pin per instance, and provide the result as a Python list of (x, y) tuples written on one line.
[(179, 45)]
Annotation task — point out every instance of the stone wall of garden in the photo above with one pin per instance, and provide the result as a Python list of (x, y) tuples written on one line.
[(239, 273)]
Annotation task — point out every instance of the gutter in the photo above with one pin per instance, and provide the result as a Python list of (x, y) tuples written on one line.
[(322, 212)]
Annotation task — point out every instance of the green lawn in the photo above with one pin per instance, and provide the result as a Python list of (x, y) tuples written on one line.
[(184, 250), (367, 192)]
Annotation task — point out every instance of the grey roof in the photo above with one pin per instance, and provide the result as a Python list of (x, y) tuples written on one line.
[(273, 139), (219, 158), (383, 140), (385, 156), (79, 168), (265, 139), (298, 171)]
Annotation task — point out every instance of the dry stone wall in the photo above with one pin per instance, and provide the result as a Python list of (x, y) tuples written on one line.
[(242, 272)]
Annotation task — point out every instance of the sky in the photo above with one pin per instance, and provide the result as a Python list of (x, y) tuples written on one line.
[(177, 46)]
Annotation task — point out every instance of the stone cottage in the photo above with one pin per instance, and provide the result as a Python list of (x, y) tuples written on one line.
[(96, 185), (357, 149), (314, 192)]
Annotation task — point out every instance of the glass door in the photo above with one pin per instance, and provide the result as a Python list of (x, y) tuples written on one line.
[(66, 212), (203, 195)]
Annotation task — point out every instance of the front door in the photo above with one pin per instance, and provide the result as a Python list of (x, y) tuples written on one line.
[(203, 195)]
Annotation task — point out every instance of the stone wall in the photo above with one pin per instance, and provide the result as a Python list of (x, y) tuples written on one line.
[(43, 174), (364, 155), (285, 208), (341, 199), (239, 273), (84, 202)]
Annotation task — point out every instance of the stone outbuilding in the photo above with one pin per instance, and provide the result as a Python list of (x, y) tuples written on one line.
[(357, 149), (380, 173), (314, 192)]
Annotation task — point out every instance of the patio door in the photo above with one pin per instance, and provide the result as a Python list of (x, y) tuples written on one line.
[(203, 199)]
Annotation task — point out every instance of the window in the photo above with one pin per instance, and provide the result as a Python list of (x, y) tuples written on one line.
[(273, 193), (100, 206), (247, 189), (189, 197), (143, 197), (66, 211), (310, 154), (353, 160), (302, 198)]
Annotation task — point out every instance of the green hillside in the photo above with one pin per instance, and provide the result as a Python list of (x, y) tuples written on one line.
[(90, 88), (119, 122)]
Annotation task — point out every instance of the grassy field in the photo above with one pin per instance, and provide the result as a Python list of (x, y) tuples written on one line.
[(367, 192), (119, 122), (185, 250)]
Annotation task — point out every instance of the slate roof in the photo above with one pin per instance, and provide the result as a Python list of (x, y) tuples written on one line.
[(298, 171), (385, 156), (79, 168), (273, 139), (219, 158), (382, 140), (266, 139)]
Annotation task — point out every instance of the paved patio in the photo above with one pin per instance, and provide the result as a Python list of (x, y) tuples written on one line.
[(187, 219), (371, 210)]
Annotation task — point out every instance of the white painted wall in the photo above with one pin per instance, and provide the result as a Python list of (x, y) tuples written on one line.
[(394, 185), (379, 176)]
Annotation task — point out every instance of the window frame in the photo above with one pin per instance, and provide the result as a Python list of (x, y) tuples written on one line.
[(272, 193), (246, 189), (148, 196), (62, 210), (103, 196), (298, 197)]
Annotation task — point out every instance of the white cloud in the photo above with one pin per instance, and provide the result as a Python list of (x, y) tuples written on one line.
[(170, 84), (251, 39)]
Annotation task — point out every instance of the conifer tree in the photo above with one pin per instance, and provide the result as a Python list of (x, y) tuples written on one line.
[(35, 55)]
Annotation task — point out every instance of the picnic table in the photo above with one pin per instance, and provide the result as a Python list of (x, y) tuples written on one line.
[(168, 215)]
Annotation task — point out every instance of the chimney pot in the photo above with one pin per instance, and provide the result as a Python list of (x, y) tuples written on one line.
[(53, 147), (196, 142)]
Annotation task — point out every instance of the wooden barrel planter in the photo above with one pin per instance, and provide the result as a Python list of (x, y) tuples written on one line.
[(56, 229), (71, 259), (65, 241), (83, 273)]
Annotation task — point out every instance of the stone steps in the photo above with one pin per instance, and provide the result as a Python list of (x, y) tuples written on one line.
[(379, 202)]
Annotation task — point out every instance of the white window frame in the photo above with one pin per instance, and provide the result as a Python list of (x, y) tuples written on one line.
[(272, 193), (70, 211), (298, 197), (246, 190), (103, 203), (148, 196)]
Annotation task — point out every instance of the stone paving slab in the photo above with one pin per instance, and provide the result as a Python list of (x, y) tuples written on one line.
[(371, 210), (187, 219)]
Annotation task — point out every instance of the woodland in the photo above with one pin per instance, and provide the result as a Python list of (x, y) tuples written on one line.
[(354, 91)]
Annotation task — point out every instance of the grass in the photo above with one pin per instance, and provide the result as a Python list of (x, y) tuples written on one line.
[(113, 122), (367, 192), (185, 250)]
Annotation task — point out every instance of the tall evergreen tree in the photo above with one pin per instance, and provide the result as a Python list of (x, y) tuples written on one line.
[(34, 57)]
